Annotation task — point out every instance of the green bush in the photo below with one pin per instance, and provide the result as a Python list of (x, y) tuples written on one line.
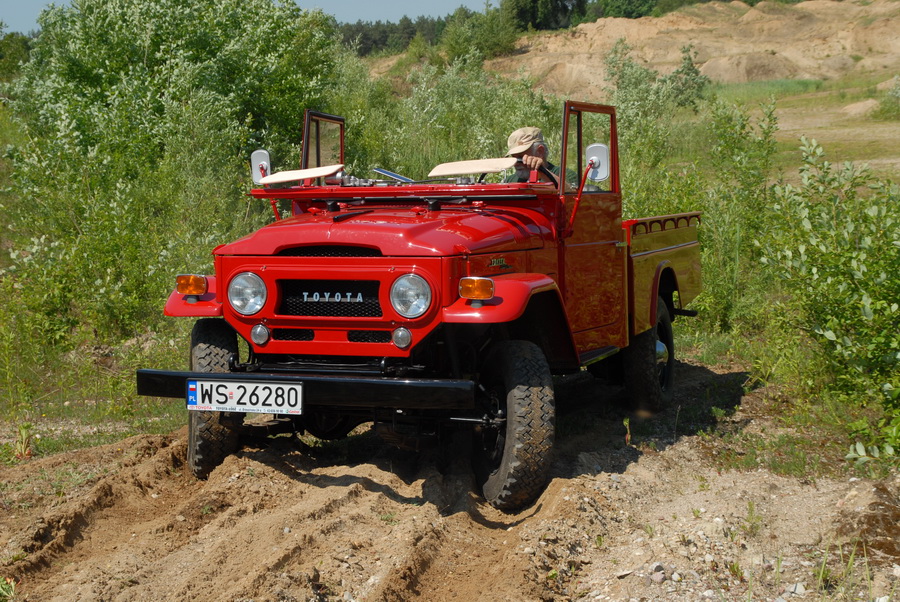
[(836, 248), (889, 107), (737, 206), (14, 49), (478, 35), (629, 9), (140, 116), (645, 104), (838, 252), (462, 112)]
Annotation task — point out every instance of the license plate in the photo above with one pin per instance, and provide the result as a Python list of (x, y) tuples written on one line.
[(236, 396)]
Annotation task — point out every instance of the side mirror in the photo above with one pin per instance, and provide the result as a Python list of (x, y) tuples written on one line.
[(598, 154), (260, 165)]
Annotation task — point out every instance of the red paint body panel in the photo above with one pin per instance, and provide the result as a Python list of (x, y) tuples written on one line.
[(658, 244), (401, 231), (189, 306), (331, 332), (511, 295)]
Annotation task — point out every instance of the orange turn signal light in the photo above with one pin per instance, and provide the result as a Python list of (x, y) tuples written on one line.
[(476, 287), (191, 284)]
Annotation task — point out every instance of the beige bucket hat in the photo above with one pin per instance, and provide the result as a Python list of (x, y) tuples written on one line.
[(522, 139)]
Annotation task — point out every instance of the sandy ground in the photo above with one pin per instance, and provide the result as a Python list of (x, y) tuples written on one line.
[(287, 520)]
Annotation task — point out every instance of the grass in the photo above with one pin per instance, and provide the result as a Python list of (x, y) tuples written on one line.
[(756, 92), (58, 482), (710, 348), (804, 440), (752, 523), (390, 518), (83, 398), (805, 97), (8, 589)]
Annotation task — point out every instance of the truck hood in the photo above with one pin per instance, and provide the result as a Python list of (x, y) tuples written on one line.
[(402, 231)]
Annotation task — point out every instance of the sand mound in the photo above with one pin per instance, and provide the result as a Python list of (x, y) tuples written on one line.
[(820, 39), (859, 109), (757, 66)]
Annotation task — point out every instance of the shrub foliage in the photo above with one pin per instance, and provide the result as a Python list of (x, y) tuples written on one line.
[(836, 246), (139, 115)]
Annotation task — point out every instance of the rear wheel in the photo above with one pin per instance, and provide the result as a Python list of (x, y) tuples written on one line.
[(212, 436), (513, 456), (649, 363)]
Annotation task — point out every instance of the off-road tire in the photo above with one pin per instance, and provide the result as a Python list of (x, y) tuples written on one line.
[(329, 426), (212, 436), (512, 463), (648, 379)]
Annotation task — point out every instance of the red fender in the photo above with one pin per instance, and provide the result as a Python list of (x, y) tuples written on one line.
[(654, 292), (194, 306), (514, 296), (511, 295)]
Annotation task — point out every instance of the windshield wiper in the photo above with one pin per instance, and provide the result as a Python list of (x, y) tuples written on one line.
[(345, 216)]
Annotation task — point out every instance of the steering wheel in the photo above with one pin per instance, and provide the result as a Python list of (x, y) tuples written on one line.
[(543, 169)]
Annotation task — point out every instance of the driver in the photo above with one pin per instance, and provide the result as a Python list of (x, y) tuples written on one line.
[(528, 146)]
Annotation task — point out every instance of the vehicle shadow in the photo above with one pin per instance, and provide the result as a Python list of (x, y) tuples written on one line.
[(598, 431)]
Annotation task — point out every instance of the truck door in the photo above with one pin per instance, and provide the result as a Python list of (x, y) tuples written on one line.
[(593, 255)]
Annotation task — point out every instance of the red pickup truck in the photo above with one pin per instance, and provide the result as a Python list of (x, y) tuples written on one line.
[(428, 306)]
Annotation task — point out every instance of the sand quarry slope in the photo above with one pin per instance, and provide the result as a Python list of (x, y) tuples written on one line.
[(734, 43)]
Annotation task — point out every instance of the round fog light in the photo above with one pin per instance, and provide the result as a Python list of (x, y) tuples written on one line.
[(401, 338), (259, 334)]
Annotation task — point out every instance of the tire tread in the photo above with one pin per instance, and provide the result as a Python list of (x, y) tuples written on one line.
[(209, 440), (530, 435)]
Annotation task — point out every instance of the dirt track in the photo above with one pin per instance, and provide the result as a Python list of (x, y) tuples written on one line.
[(283, 520)]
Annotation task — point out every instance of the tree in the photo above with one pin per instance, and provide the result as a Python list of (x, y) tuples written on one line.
[(14, 50), (542, 14), (629, 9)]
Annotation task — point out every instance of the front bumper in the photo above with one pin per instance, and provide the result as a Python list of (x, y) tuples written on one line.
[(331, 390)]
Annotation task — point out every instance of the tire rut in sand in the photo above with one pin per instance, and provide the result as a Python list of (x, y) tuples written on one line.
[(64, 528)]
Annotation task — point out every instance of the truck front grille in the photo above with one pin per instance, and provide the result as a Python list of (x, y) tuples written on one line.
[(293, 334), (369, 336), (330, 298), (329, 251)]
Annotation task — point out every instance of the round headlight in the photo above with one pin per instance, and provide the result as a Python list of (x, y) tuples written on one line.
[(410, 296), (247, 293)]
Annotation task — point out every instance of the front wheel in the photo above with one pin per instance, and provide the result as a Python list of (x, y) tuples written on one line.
[(329, 426), (513, 455), (649, 363), (212, 436)]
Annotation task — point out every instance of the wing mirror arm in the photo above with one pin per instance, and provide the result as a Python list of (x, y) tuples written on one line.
[(570, 228), (597, 169)]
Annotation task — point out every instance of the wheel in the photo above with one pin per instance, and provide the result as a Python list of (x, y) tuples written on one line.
[(512, 458), (649, 363), (212, 436), (329, 426)]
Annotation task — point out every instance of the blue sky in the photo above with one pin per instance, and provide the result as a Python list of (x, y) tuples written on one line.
[(21, 15)]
